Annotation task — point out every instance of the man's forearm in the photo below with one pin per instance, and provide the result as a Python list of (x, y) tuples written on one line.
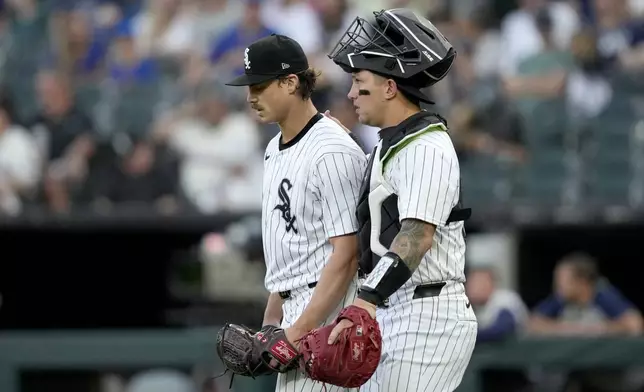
[(396, 267), (630, 324), (329, 291), (273, 312), (412, 242), (545, 326)]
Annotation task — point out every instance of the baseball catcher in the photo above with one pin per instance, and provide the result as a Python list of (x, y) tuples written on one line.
[(353, 357), (248, 353)]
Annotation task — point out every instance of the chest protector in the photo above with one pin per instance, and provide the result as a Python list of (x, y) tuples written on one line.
[(377, 212)]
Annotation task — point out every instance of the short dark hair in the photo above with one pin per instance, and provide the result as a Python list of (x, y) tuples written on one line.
[(306, 82), (583, 266)]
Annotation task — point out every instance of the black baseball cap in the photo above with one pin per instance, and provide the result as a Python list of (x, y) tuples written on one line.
[(269, 58)]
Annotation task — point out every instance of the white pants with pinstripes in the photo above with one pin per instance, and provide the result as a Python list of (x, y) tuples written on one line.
[(295, 381), (427, 342)]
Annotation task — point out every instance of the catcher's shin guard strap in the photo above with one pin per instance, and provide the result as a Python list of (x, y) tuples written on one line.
[(390, 274)]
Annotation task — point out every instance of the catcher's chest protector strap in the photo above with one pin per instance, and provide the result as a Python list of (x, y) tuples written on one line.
[(377, 211)]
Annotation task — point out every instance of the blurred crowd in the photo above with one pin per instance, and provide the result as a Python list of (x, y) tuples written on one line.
[(110, 104)]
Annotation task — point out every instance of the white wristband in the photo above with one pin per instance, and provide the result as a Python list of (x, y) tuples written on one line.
[(378, 273)]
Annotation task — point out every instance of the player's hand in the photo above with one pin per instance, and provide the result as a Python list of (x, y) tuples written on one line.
[(293, 335), (328, 115), (344, 324)]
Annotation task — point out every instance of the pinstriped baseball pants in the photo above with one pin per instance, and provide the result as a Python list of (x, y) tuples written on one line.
[(295, 381), (427, 342)]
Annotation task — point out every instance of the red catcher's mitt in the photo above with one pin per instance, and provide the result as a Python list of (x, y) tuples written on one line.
[(354, 357)]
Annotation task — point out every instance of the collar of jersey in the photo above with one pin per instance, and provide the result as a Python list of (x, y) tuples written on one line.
[(300, 135), (387, 133)]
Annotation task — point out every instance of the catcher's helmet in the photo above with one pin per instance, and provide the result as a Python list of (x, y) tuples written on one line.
[(399, 44)]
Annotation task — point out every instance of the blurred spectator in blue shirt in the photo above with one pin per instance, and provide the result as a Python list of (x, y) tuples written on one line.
[(126, 65), (584, 303), (81, 33), (501, 313), (87, 45), (228, 49)]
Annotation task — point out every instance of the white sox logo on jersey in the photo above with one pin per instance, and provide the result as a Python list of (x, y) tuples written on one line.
[(246, 59), (285, 207)]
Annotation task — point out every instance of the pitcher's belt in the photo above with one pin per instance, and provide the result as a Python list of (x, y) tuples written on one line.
[(287, 294)]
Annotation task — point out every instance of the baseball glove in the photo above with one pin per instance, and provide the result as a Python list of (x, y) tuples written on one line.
[(275, 351), (236, 347), (354, 357)]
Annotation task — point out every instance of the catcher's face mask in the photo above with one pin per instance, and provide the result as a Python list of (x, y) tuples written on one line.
[(398, 43)]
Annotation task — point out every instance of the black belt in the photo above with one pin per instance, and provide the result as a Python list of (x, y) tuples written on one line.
[(287, 294), (423, 291), (428, 290)]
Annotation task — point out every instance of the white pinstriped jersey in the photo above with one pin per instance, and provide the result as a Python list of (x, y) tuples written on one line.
[(310, 191), (425, 175)]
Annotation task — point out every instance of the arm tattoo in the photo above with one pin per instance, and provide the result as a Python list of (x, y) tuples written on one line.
[(413, 241)]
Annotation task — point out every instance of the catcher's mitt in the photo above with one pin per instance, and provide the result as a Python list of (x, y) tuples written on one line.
[(354, 357)]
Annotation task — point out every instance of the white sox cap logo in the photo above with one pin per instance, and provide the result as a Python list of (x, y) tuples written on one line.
[(246, 59)]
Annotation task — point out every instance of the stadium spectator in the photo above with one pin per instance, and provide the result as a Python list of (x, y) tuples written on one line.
[(67, 138), (20, 162), (126, 65), (140, 179), (86, 47), (620, 36), (219, 151), (212, 19), (296, 19), (588, 90), (584, 303), (542, 74), (521, 34), (227, 53), (483, 42), (501, 313), (165, 28)]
